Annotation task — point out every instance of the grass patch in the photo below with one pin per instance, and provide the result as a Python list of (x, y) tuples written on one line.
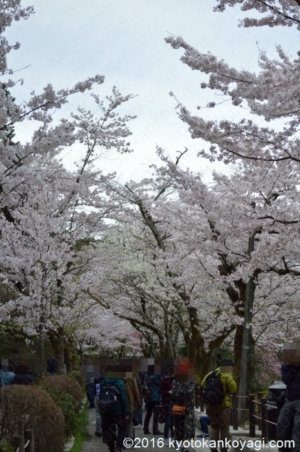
[(82, 432)]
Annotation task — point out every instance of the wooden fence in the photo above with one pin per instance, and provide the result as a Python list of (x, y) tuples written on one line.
[(262, 416)]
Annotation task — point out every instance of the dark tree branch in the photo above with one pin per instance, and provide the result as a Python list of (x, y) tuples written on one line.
[(280, 13)]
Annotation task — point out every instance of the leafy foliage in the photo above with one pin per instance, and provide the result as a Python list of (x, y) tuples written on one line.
[(68, 407), (29, 407), (63, 383), (82, 432), (77, 375), (4, 447)]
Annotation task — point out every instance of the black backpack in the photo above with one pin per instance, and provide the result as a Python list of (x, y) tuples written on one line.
[(108, 399), (146, 392), (212, 392)]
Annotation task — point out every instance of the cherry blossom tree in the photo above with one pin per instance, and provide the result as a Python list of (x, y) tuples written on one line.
[(169, 259), (187, 258), (275, 12), (242, 217), (269, 95), (50, 218), (268, 132)]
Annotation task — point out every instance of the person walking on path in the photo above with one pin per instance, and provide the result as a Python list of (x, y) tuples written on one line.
[(97, 388), (138, 415), (134, 400), (165, 389), (183, 395), (114, 409), (288, 424), (217, 386), (90, 392), (152, 401)]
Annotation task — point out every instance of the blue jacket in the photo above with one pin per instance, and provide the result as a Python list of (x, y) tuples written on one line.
[(6, 378), (290, 375), (153, 382), (122, 408)]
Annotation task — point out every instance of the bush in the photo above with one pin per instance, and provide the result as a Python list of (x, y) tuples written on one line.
[(29, 407), (62, 383), (4, 447), (76, 375), (68, 406), (67, 394), (82, 433)]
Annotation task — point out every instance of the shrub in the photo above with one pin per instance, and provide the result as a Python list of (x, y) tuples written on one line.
[(4, 447), (76, 375), (29, 407), (67, 394), (68, 406), (62, 383), (82, 433)]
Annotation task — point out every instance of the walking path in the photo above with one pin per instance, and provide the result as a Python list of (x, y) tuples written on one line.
[(151, 443), (95, 444), (146, 442)]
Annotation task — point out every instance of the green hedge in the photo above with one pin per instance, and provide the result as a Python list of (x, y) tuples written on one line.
[(5, 447), (67, 394), (68, 407), (82, 433), (76, 375), (30, 407), (63, 383)]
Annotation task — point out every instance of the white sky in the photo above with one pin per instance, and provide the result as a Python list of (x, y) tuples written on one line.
[(66, 41)]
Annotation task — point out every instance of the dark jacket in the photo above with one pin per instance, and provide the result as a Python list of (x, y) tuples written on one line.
[(183, 394), (152, 381), (290, 375), (164, 388), (122, 408)]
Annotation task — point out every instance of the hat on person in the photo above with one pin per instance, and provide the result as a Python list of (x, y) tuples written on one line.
[(225, 362)]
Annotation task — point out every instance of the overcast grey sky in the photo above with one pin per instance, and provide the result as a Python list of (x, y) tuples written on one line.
[(68, 40)]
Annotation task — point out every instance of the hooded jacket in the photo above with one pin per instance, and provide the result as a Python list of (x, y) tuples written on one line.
[(228, 384)]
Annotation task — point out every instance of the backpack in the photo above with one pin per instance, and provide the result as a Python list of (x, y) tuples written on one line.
[(108, 399), (146, 392), (212, 392)]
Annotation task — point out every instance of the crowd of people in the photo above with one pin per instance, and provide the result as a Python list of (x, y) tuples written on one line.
[(168, 397), (126, 399)]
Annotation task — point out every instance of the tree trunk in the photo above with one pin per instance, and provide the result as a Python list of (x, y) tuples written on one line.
[(204, 360), (57, 342), (195, 345), (246, 341), (72, 357), (42, 368), (238, 340), (168, 326)]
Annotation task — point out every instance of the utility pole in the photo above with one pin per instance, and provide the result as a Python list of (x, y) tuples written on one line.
[(246, 341)]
